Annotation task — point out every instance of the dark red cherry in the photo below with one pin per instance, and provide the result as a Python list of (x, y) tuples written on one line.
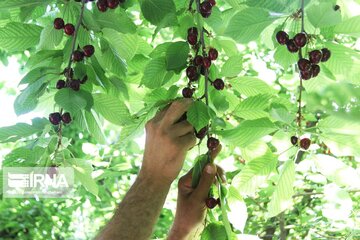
[(291, 46), (213, 54), (102, 5), (212, 2), (192, 39), (304, 64), (326, 54), (211, 202), (55, 118), (52, 171), (212, 143), (193, 31), (205, 7), (306, 75), (201, 133), (75, 85), (198, 60), (294, 140), (59, 23), (219, 84), (315, 70), (315, 56), (88, 50), (66, 118), (191, 73), (282, 37), (305, 143), (187, 92), (69, 29), (60, 84), (113, 3), (77, 56), (300, 39), (206, 62)]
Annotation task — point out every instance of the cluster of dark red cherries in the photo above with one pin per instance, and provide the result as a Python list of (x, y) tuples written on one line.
[(56, 118), (206, 8), (69, 28), (103, 5), (309, 68), (212, 202), (304, 143)]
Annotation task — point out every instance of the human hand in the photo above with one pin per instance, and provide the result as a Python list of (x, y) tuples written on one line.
[(167, 142), (191, 208)]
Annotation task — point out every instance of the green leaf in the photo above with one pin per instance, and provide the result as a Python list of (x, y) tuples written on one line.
[(176, 56), (18, 131), (350, 26), (111, 108), (281, 114), (214, 231), (200, 163), (254, 174), (323, 15), (238, 210), (70, 100), (248, 131), (253, 107), (251, 86), (118, 21), (50, 38), (342, 145), (284, 58), (198, 115), (154, 73), (282, 196), (94, 126), (247, 25), (232, 67), (340, 125), (82, 172), (19, 36), (21, 3), (156, 10)]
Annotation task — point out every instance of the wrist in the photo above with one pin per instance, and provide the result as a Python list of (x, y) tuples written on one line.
[(178, 233), (154, 179)]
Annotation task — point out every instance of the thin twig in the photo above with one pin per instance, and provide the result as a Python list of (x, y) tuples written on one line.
[(283, 233), (299, 113)]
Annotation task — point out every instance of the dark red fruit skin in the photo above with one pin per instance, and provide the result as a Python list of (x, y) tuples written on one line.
[(201, 133), (75, 85), (300, 39), (192, 39), (60, 84), (212, 2), (211, 202), (205, 7), (315, 56), (213, 54), (206, 62), (102, 5), (193, 31), (326, 54), (66, 118), (191, 73), (187, 92), (304, 64), (291, 46), (219, 84), (59, 23), (198, 60), (89, 50), (51, 171), (315, 69), (69, 29), (282, 37), (305, 143), (212, 143), (78, 56), (294, 140), (55, 118), (113, 3), (306, 75)]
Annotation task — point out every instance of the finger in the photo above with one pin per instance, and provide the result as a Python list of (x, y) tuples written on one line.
[(207, 177), (181, 129), (160, 115), (215, 152), (175, 111), (221, 173), (188, 141), (184, 184)]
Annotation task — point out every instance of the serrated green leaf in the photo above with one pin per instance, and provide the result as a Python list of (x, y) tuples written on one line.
[(118, 21), (253, 107), (21, 3), (198, 115), (251, 86), (156, 10), (323, 15), (247, 25), (176, 56), (247, 132), (111, 108), (19, 36), (350, 26), (70, 100), (232, 67), (94, 126), (18, 131), (154, 73), (50, 38), (214, 231), (200, 163), (284, 58), (282, 197), (339, 125)]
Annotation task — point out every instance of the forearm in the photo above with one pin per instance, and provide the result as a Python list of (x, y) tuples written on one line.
[(138, 212)]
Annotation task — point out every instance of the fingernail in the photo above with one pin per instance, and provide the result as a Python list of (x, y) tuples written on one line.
[(210, 169)]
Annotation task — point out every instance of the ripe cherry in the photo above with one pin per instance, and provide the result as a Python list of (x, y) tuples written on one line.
[(69, 29), (305, 143), (201, 133), (191, 73), (187, 92), (294, 140), (77, 56), (52, 171), (291, 46), (212, 143), (206, 62), (315, 69), (193, 31), (304, 64), (306, 75), (59, 23), (88, 50), (219, 84), (75, 85), (326, 54), (315, 56), (192, 39), (102, 5), (60, 84), (282, 37), (211, 202), (55, 118), (300, 39), (66, 118), (212, 2), (113, 3), (198, 60), (205, 9), (213, 54)]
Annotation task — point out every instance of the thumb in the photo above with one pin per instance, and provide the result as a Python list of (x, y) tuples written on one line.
[(207, 178)]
